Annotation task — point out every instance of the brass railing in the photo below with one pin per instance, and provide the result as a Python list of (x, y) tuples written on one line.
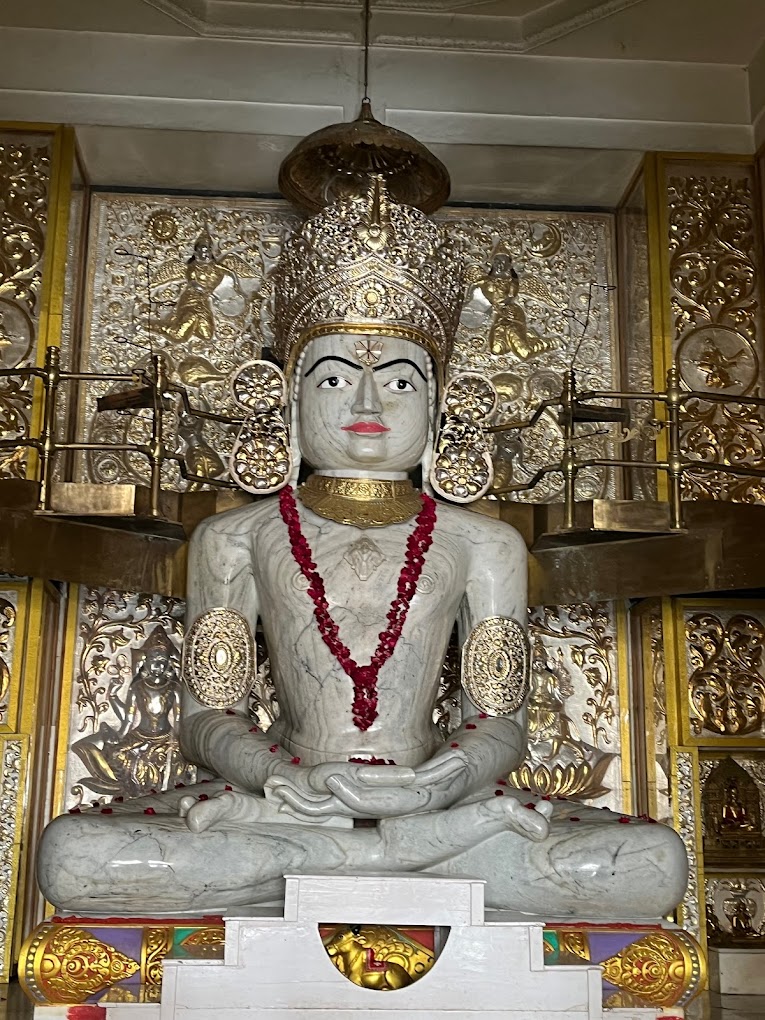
[(153, 390)]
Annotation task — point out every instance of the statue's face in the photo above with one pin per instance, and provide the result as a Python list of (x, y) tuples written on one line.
[(363, 403)]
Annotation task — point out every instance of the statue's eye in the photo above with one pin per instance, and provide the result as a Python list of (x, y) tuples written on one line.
[(334, 382), (400, 386)]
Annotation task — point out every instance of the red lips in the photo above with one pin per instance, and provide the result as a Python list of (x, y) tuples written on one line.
[(366, 428)]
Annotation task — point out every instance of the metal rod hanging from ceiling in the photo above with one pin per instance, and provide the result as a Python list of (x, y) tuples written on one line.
[(367, 19)]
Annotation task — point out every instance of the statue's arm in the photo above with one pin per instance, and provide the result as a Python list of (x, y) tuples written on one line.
[(492, 627), (216, 730)]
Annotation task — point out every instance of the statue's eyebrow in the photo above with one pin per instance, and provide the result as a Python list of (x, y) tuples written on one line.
[(401, 361), (332, 357)]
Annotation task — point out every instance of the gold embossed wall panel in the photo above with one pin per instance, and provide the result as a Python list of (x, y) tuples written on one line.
[(186, 277), (25, 171), (190, 277), (540, 301), (649, 685), (119, 735), (722, 671), (715, 296), (579, 742)]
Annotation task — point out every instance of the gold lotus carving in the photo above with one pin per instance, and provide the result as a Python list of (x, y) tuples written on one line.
[(71, 965)]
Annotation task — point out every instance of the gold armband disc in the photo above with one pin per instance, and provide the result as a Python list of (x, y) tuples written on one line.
[(219, 658), (495, 666)]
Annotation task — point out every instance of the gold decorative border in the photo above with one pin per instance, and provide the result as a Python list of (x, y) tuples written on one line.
[(52, 294), (12, 787), (626, 707), (686, 811)]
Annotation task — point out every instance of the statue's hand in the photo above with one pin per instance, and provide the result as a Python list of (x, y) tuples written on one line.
[(305, 790), (366, 791)]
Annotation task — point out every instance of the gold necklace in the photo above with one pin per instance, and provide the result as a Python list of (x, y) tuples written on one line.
[(362, 502)]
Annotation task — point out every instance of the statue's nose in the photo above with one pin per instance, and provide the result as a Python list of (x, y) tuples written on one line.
[(367, 396)]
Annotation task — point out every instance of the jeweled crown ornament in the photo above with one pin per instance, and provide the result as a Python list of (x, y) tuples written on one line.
[(368, 265)]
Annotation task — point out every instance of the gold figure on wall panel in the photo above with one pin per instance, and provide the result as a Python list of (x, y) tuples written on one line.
[(186, 278), (539, 301), (715, 298), (731, 801), (735, 911), (24, 184), (125, 700)]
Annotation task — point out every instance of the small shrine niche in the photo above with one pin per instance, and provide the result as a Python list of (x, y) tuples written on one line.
[(732, 815)]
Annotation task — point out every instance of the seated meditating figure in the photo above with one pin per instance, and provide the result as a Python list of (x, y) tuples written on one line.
[(357, 579)]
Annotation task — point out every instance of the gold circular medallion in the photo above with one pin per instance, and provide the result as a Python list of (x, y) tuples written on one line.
[(219, 658)]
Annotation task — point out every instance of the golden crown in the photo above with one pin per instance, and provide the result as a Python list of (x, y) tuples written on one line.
[(368, 265)]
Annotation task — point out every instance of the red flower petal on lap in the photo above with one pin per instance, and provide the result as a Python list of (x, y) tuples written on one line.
[(574, 818), (149, 811), (624, 820), (203, 796), (294, 761), (499, 793)]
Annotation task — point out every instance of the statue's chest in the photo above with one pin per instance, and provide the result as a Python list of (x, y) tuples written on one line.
[(361, 569)]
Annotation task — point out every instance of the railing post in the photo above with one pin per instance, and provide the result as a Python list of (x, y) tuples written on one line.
[(157, 446), (674, 454), (51, 381), (568, 462)]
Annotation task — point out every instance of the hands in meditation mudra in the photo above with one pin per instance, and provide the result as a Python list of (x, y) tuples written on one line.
[(357, 579)]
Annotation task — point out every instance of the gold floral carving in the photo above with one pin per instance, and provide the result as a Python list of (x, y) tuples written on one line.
[(24, 180), (14, 755), (715, 299), (573, 704), (70, 965), (205, 943), (726, 684), (378, 957), (495, 666), (119, 731), (574, 946), (219, 658), (662, 969), (156, 944)]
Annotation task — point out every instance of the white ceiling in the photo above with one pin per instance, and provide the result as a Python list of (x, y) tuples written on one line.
[(544, 102)]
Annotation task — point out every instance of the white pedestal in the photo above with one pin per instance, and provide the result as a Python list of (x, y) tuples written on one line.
[(277, 968), (737, 971)]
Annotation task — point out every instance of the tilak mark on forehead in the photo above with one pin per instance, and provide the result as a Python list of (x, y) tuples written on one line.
[(369, 351)]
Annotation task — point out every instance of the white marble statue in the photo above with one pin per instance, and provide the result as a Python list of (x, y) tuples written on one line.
[(354, 742)]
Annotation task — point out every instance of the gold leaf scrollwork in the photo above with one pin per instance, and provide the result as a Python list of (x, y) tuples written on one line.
[(156, 944), (205, 943), (661, 969), (726, 686), (71, 965)]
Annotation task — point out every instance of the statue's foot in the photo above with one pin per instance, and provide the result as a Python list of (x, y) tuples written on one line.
[(229, 808)]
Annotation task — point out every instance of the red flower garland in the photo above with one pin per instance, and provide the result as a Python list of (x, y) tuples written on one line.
[(364, 677)]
